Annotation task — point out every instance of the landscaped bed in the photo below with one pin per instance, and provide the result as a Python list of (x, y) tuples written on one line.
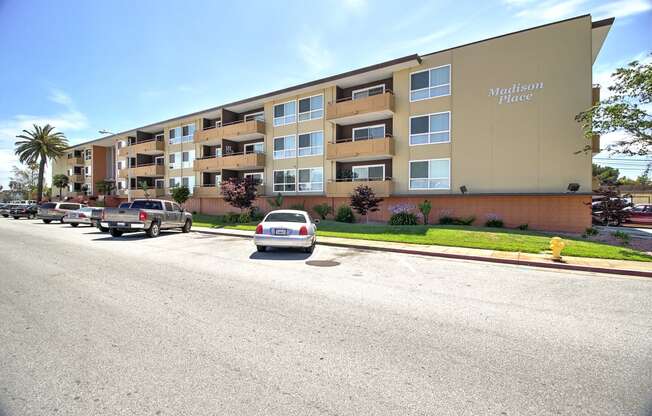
[(457, 236)]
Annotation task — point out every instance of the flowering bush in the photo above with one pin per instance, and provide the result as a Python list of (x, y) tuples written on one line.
[(494, 220), (401, 208)]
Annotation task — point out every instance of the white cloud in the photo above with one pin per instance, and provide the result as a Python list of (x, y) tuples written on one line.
[(317, 58), (354, 5), (549, 10), (622, 8), (69, 119)]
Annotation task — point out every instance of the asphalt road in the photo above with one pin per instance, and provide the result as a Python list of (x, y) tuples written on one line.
[(195, 324)]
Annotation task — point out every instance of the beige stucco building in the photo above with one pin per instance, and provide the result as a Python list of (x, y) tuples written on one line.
[(480, 129)]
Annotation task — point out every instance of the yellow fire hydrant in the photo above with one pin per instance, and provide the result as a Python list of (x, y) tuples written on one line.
[(556, 245)]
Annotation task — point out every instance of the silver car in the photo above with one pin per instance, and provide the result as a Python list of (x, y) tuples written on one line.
[(86, 215), (286, 228)]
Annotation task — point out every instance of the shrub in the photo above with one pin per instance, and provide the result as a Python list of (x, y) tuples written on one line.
[(231, 217), (239, 193), (448, 220), (299, 206), (493, 221), (180, 194), (591, 231), (256, 214), (194, 213), (523, 227), (277, 201), (244, 218), (364, 200), (322, 210), (622, 236), (465, 220), (344, 214), (425, 207), (403, 218)]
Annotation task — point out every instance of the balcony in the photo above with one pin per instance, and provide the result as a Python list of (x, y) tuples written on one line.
[(76, 178), (238, 131), (369, 149), (348, 111), (234, 161), (151, 169), (345, 187), (75, 160), (595, 94), (206, 191), (153, 193), (149, 147)]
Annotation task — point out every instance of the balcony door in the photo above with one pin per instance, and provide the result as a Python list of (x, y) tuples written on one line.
[(369, 173)]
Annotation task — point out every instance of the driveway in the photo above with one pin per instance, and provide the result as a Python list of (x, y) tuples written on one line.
[(196, 324)]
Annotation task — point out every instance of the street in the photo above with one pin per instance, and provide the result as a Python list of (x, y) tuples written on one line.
[(198, 324)]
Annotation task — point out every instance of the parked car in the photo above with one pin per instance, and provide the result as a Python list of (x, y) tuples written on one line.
[(640, 214), (286, 228), (56, 211), (4, 210), (86, 215), (24, 211), (124, 205), (149, 215)]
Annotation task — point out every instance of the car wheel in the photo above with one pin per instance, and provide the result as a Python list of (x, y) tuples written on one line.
[(103, 229), (154, 230), (16, 218), (262, 249), (186, 226), (310, 249), (47, 221), (73, 224), (5, 215), (115, 232)]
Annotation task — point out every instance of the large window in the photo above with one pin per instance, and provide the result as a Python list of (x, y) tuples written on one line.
[(430, 128), (285, 147), (285, 113), (311, 108), (181, 160), (175, 135), (369, 173), (88, 154), (254, 147), (311, 180), (368, 92), (430, 174), (369, 132), (260, 116), (187, 133), (285, 180), (257, 177), (311, 144), (431, 83)]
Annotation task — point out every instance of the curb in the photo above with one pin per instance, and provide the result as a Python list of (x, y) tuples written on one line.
[(558, 266)]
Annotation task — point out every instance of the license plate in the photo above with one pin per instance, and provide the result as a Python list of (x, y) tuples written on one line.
[(280, 231), (121, 224)]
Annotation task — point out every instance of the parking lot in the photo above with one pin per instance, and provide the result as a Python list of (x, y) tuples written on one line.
[(203, 324)]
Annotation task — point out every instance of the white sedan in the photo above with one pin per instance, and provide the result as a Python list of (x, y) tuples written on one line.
[(286, 228)]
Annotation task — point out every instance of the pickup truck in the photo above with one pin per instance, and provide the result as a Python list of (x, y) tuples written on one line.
[(149, 215)]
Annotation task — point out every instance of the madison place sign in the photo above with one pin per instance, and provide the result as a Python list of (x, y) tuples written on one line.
[(517, 93)]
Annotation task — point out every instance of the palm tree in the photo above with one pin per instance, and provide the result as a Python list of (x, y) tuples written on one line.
[(60, 181), (39, 145)]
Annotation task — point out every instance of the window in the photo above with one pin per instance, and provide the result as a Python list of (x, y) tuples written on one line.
[(87, 170), (286, 217), (173, 182), (147, 204), (185, 157), (311, 144), (160, 160), (311, 108), (435, 82), (254, 147), (311, 180), (168, 206), (256, 176), (431, 128), (370, 132), (430, 174), (285, 113), (187, 133), (172, 158), (88, 154), (285, 147), (175, 135), (260, 116), (284, 180), (185, 181), (368, 92), (369, 173), (159, 183), (119, 164), (159, 137)]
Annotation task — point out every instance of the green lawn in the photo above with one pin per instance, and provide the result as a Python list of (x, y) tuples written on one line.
[(457, 236)]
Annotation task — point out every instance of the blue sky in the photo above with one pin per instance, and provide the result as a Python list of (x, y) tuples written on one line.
[(90, 65)]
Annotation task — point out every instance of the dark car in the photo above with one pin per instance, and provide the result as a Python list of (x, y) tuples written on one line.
[(24, 211), (640, 214), (4, 209)]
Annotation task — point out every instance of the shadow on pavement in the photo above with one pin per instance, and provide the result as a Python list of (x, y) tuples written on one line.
[(280, 254), (132, 237)]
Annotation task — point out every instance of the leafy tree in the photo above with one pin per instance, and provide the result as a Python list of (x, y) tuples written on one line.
[(239, 193), (60, 181), (611, 208), (626, 109), (24, 181), (37, 146), (180, 194), (344, 214), (145, 187), (425, 207), (104, 187), (606, 174), (323, 210), (277, 201), (364, 200)]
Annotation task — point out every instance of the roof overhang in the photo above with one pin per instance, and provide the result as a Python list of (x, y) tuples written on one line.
[(599, 31)]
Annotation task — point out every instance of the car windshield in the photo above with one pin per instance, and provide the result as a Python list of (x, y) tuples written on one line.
[(285, 217), (48, 205), (144, 204)]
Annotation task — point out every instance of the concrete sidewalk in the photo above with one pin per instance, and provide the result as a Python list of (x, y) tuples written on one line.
[(623, 267)]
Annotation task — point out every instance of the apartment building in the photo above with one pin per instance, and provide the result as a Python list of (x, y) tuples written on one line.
[(480, 129)]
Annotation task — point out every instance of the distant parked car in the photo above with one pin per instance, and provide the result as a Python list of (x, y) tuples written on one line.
[(24, 211), (5, 208), (640, 214), (56, 211), (286, 228), (149, 215), (86, 215)]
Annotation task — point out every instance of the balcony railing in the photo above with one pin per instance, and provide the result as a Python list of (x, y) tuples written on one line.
[(345, 187), (148, 146), (149, 169), (76, 160), (231, 161), (78, 178), (206, 191), (344, 149), (153, 192), (236, 131), (350, 111)]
